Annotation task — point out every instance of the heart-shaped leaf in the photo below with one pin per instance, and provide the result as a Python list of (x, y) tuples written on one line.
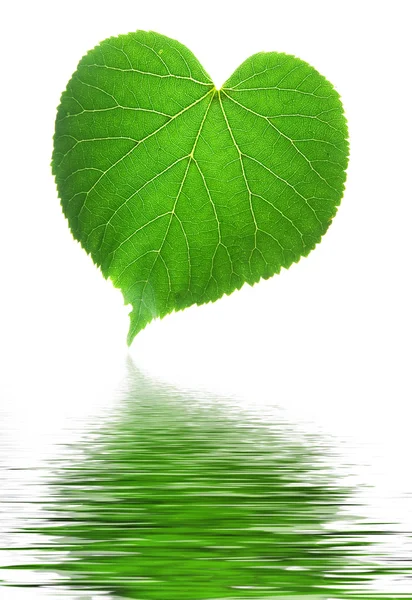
[(181, 192)]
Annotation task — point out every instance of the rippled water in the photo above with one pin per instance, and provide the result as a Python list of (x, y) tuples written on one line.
[(177, 496)]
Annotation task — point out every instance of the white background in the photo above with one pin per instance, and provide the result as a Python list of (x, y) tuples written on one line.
[(329, 340), (334, 331)]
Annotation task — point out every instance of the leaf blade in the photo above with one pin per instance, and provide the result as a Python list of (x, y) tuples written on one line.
[(182, 193)]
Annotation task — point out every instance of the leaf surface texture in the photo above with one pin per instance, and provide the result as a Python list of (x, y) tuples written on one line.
[(181, 192)]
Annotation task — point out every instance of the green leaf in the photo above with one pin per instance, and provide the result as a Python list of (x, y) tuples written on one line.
[(181, 192)]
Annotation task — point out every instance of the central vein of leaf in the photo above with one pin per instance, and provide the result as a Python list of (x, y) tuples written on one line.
[(190, 158)]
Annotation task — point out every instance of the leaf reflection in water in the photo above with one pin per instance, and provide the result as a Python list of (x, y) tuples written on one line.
[(183, 497)]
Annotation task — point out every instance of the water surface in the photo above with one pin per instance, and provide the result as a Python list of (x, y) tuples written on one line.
[(182, 496)]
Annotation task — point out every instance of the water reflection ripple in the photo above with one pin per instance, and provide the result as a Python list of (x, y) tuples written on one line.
[(177, 497)]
